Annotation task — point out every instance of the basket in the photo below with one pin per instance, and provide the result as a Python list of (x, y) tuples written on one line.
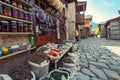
[(40, 70)]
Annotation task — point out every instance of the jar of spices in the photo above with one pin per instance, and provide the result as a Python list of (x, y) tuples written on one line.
[(20, 14), (14, 26), (14, 3), (30, 29), (5, 26), (0, 26), (14, 13), (25, 27), (20, 6), (7, 1), (0, 9), (25, 16), (20, 26), (30, 17), (25, 8), (6, 11)]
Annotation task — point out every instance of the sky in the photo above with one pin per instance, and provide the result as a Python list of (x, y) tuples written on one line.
[(102, 10)]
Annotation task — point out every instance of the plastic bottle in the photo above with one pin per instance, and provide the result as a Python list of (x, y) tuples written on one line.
[(32, 41)]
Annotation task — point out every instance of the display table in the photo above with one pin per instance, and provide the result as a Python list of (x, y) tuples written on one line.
[(66, 49)]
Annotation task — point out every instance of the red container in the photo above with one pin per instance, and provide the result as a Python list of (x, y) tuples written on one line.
[(14, 13), (20, 15), (25, 16), (30, 17)]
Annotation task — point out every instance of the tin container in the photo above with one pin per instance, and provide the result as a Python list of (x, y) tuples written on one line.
[(20, 14), (19, 6), (30, 29), (25, 27), (14, 13), (30, 17), (25, 16), (14, 3), (20, 27), (14, 26), (7, 1), (5, 26)]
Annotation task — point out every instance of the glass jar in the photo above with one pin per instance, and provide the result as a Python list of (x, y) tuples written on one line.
[(14, 3), (5, 26), (6, 11), (25, 8), (25, 16), (7, 1), (20, 26), (0, 26), (0, 9), (20, 14), (30, 28), (25, 27), (14, 26), (14, 13), (20, 6), (30, 17)]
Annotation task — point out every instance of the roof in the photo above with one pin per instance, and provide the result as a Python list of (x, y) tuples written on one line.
[(81, 6), (108, 21)]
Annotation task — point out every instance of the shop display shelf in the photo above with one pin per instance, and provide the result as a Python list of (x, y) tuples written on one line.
[(25, 3), (13, 33), (16, 53), (65, 51), (11, 18), (3, 3)]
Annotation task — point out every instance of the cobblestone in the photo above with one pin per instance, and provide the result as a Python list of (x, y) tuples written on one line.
[(112, 74), (99, 59), (82, 76), (88, 72), (99, 73)]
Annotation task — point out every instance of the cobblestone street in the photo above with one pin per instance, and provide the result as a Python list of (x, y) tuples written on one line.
[(99, 59)]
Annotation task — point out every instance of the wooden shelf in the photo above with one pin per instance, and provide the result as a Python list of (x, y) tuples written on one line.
[(25, 3), (11, 18), (13, 33), (37, 6), (16, 53), (14, 7), (66, 50)]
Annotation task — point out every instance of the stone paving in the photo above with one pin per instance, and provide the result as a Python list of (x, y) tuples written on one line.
[(99, 59)]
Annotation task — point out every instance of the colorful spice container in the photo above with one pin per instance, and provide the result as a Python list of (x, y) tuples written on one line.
[(5, 26), (7, 1), (20, 6), (14, 13), (30, 17), (20, 14), (25, 27), (25, 16), (14, 3), (20, 27), (30, 28), (0, 9), (0, 26), (14, 26), (6, 11)]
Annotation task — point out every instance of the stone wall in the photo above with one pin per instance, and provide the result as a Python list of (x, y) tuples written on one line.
[(71, 21)]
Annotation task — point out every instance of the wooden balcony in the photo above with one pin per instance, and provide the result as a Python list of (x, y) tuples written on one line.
[(80, 18)]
